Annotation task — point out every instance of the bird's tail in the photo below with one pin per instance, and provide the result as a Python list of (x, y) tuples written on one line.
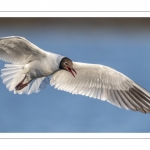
[(12, 75)]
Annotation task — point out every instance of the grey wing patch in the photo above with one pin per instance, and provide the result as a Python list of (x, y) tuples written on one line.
[(18, 50)]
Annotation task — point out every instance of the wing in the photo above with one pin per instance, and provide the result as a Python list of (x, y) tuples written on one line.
[(18, 50), (103, 83)]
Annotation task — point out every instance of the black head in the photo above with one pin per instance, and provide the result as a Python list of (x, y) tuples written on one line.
[(67, 65)]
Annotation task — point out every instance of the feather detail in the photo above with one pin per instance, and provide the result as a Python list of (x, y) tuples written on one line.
[(104, 83)]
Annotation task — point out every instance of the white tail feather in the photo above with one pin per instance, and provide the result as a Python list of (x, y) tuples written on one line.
[(12, 75)]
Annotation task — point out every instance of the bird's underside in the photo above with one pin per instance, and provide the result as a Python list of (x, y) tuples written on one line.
[(93, 80)]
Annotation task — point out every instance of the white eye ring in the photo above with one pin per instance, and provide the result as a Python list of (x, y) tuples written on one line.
[(65, 63)]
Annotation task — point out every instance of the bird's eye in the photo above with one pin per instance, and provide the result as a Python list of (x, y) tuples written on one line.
[(65, 63)]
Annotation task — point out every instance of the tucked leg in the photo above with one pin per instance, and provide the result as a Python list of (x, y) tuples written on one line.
[(20, 85)]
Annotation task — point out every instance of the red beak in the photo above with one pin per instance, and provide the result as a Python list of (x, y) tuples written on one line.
[(72, 71)]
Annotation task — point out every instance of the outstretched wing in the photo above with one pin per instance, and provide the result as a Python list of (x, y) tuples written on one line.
[(18, 50), (103, 83)]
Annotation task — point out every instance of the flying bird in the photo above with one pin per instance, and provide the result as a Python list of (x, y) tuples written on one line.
[(30, 69)]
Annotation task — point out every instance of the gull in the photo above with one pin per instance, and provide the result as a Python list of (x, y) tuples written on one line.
[(30, 69)]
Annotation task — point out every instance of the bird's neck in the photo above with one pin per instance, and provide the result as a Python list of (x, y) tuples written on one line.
[(55, 60)]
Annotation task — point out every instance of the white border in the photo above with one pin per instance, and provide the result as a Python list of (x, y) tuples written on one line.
[(74, 14), (76, 5)]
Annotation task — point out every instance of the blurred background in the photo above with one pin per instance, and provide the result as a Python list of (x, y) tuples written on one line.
[(120, 43)]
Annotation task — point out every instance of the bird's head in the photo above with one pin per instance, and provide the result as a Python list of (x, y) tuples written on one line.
[(67, 65)]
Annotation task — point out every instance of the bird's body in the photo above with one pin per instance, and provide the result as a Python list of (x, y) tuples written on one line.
[(31, 68), (42, 67)]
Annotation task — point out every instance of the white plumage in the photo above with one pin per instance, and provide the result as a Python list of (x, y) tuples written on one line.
[(35, 66)]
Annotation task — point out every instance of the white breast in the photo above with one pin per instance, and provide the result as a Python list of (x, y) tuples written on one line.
[(43, 67)]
